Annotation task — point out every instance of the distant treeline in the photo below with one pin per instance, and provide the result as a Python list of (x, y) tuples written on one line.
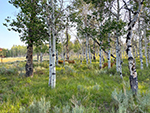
[(15, 51)]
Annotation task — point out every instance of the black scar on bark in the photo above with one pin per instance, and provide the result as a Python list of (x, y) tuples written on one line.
[(130, 58), (53, 55), (128, 36), (133, 67), (53, 73), (128, 48), (50, 65)]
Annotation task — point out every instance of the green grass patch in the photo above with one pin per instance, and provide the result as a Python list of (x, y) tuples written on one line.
[(79, 87)]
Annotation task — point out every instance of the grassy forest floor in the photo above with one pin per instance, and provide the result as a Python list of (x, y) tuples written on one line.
[(80, 88)]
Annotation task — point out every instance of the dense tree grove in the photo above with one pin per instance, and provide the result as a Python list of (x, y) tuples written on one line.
[(99, 51), (100, 28)]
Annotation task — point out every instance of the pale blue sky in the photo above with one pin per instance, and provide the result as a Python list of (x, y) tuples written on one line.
[(7, 38)]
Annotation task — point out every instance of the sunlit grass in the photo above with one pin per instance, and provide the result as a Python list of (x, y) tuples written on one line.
[(3, 60), (85, 84)]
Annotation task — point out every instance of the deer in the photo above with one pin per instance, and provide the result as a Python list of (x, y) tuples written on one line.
[(71, 61), (106, 64), (60, 61)]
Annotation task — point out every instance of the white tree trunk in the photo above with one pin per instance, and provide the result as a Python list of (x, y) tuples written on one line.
[(82, 54), (136, 48), (62, 52), (132, 68), (109, 58), (53, 78), (145, 38), (94, 57), (149, 49), (50, 46), (140, 44), (120, 62), (134, 51), (86, 49), (89, 53), (57, 57), (117, 54), (100, 57)]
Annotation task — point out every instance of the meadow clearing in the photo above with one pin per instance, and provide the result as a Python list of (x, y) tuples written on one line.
[(80, 88)]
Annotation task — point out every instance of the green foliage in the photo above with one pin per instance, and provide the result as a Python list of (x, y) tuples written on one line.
[(29, 21), (17, 50), (76, 46)]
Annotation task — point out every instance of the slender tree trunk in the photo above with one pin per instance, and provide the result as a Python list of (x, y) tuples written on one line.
[(57, 57), (149, 49), (37, 57), (41, 57), (67, 49), (120, 62), (86, 49), (89, 53), (53, 83), (136, 48), (140, 44), (29, 57), (134, 51), (145, 38), (82, 54), (63, 52), (52, 69), (118, 48), (94, 58), (117, 55), (117, 39), (50, 45), (109, 58), (63, 58), (132, 68), (100, 57), (50, 58)]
